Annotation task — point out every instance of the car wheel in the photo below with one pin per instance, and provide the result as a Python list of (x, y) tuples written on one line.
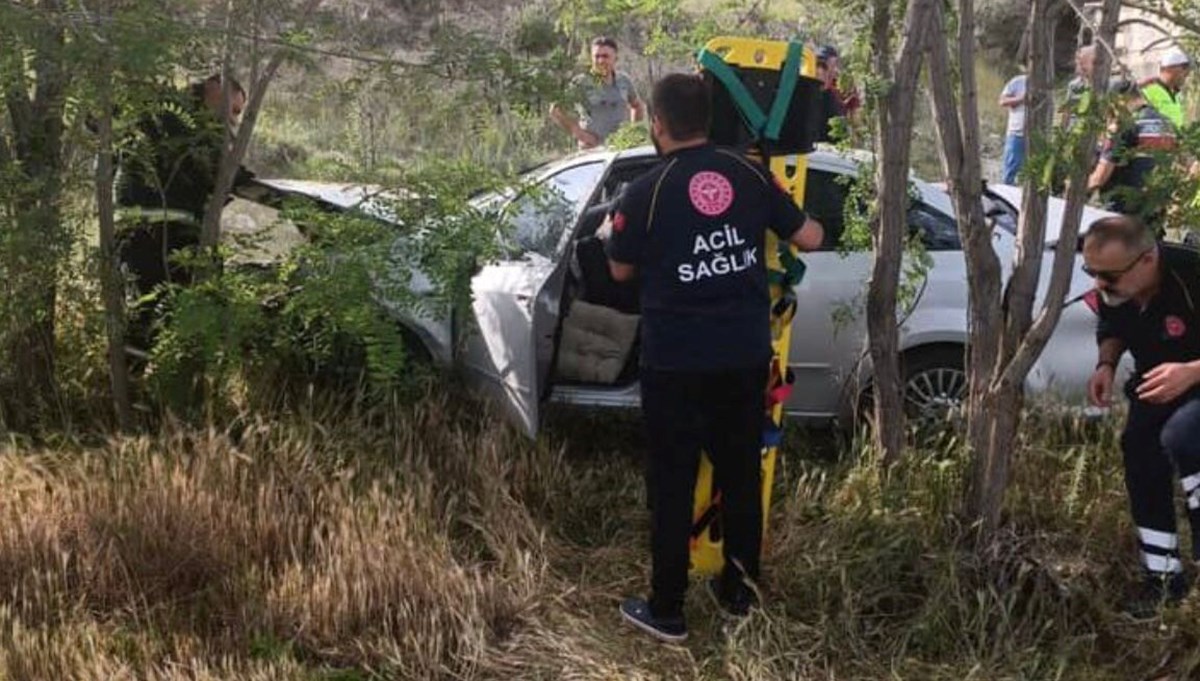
[(935, 384)]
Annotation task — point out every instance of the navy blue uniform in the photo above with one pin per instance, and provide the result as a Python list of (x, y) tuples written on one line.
[(1135, 150), (1157, 435), (695, 227)]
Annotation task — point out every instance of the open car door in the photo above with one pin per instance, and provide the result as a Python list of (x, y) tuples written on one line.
[(509, 340)]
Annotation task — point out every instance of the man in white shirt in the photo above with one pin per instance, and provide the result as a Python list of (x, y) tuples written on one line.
[(1013, 99)]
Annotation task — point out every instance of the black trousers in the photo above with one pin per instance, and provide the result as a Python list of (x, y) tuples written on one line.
[(145, 251), (721, 413), (1156, 437)]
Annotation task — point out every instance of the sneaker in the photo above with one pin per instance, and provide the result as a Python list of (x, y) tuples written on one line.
[(1155, 592), (738, 603), (636, 611)]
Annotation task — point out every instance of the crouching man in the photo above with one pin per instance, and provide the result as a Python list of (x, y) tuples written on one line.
[(1149, 292)]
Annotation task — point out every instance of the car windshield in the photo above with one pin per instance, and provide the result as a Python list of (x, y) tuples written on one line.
[(544, 211)]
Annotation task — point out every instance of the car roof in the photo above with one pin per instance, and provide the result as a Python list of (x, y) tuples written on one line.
[(825, 158)]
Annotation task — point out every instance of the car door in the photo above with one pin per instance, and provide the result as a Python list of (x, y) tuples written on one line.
[(509, 340), (830, 326), (829, 333)]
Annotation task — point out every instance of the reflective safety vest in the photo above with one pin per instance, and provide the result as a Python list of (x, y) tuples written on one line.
[(1165, 102)]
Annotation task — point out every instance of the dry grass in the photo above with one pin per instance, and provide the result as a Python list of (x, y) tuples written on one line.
[(432, 542)]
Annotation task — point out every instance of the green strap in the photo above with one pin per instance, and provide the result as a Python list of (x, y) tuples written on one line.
[(760, 124), (741, 96), (783, 96)]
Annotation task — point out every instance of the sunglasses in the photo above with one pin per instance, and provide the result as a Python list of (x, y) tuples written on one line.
[(1113, 276)]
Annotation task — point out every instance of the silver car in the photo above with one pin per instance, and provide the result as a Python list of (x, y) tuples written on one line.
[(508, 347)]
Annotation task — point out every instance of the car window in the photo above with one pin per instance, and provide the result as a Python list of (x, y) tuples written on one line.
[(542, 213), (938, 231), (825, 201)]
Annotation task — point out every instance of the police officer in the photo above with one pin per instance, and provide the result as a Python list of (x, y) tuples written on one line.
[(1162, 93), (164, 184), (1148, 295), (1136, 143), (693, 230)]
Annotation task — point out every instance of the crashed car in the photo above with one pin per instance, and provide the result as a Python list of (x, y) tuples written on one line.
[(547, 323)]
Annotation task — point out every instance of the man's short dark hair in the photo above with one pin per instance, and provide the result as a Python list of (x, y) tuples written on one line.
[(1131, 232), (683, 102), (215, 79), (605, 41)]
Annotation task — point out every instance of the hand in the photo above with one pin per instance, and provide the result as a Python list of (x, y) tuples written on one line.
[(1100, 386), (556, 113), (1166, 382), (605, 230)]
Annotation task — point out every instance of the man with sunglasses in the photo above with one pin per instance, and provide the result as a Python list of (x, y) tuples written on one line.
[(1147, 305)]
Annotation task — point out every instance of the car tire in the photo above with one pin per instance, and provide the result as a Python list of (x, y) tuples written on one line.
[(935, 383)]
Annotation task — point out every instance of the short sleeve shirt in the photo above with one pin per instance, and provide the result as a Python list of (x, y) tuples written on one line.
[(1016, 114), (604, 106), (695, 227), (1133, 149)]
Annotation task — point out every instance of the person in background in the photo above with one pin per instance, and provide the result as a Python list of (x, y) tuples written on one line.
[(1162, 92), (1138, 141), (163, 185), (607, 99), (1012, 97), (1079, 90)]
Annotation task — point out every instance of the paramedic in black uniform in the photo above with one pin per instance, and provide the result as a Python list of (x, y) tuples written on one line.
[(1148, 295), (692, 230)]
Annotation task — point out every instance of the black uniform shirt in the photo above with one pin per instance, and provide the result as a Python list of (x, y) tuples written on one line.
[(695, 227), (1168, 330)]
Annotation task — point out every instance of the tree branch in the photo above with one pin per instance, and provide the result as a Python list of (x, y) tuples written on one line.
[(1084, 157)]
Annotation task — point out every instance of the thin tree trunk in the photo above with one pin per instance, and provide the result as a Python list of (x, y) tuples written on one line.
[(895, 121), (36, 249), (232, 155), (110, 277)]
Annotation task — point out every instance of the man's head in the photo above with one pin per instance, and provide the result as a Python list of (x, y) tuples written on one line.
[(1128, 93), (604, 56), (210, 92), (1174, 67), (1085, 61), (1121, 256), (682, 107), (829, 55)]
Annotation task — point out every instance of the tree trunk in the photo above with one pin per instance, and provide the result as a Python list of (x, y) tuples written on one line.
[(1005, 340), (894, 140), (234, 152), (110, 277), (39, 242)]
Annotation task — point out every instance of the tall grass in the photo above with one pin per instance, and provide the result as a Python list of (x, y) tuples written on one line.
[(430, 541)]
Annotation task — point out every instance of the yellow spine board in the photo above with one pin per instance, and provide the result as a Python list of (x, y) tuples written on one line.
[(706, 555)]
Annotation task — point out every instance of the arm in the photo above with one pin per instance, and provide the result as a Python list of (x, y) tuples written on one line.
[(1100, 384), (1010, 102), (571, 125), (1110, 351), (627, 237), (1100, 175), (637, 110), (809, 237), (621, 272)]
